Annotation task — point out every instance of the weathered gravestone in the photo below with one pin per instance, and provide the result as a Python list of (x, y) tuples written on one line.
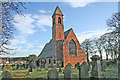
[(26, 65), (30, 70), (3, 66), (6, 75), (60, 70), (77, 65), (17, 66), (52, 74), (96, 67), (68, 71), (84, 70)]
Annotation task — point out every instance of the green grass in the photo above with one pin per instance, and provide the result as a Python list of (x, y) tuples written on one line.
[(110, 72)]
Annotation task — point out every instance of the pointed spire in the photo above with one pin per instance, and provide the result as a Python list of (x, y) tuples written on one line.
[(57, 11)]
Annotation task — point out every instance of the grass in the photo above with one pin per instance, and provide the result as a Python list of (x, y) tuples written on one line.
[(110, 72)]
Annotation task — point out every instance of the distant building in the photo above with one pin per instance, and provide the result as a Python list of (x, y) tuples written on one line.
[(4, 59), (63, 48), (17, 59)]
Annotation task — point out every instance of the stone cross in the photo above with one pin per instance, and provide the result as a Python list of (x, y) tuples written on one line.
[(95, 66)]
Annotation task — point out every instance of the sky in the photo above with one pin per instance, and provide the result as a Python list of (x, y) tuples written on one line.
[(34, 30)]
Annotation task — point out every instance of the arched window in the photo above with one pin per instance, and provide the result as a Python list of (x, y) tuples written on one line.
[(59, 20), (53, 21), (72, 48)]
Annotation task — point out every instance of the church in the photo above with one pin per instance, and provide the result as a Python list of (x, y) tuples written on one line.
[(63, 48)]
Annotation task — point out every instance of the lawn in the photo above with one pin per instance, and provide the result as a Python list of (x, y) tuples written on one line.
[(110, 72)]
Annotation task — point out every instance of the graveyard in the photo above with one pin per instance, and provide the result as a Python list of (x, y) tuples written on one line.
[(59, 43), (84, 71)]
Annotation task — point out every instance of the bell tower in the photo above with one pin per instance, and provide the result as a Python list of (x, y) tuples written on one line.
[(57, 25), (57, 33)]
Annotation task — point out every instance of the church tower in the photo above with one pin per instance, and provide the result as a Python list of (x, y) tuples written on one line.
[(57, 25), (57, 33)]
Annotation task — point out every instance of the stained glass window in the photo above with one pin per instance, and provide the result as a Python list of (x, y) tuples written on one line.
[(72, 47)]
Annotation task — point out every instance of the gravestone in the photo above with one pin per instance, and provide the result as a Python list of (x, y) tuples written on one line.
[(30, 69), (52, 74), (68, 71), (17, 66), (78, 64), (95, 66), (3, 66), (27, 66), (24, 65), (84, 70), (6, 75), (75, 65), (60, 70)]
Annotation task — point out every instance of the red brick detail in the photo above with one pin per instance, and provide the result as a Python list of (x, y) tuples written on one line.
[(59, 28), (81, 56)]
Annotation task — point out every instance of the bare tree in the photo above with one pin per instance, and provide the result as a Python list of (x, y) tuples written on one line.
[(87, 48), (114, 24), (7, 11)]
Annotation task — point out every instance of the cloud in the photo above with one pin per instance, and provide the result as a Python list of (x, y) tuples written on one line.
[(90, 34), (19, 39), (79, 3), (41, 46), (42, 21), (24, 24), (28, 46), (43, 11)]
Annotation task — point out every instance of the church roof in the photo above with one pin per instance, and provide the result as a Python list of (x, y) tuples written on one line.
[(47, 50), (57, 11), (66, 33)]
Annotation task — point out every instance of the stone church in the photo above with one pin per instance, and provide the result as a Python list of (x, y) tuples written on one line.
[(63, 48)]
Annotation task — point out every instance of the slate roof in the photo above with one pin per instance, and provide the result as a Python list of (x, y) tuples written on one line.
[(66, 33), (57, 11), (47, 50)]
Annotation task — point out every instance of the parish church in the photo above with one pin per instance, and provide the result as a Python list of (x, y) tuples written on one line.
[(63, 48)]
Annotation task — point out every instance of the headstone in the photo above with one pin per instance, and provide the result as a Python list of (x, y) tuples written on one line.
[(17, 66), (68, 71), (95, 67), (53, 74), (3, 66), (75, 65), (6, 75), (27, 65), (60, 70), (78, 64), (30, 69), (84, 70), (24, 65)]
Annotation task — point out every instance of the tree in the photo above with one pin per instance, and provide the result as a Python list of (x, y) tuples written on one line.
[(7, 11), (87, 48), (31, 57), (98, 45), (114, 24)]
